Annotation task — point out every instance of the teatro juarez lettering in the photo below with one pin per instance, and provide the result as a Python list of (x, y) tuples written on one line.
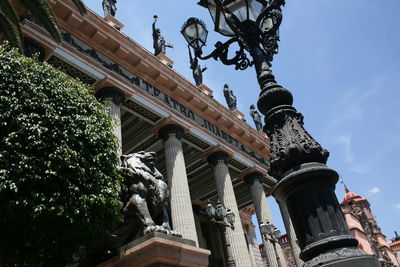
[(156, 93), (166, 99)]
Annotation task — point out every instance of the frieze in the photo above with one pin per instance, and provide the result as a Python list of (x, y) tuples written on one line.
[(142, 111), (194, 140), (146, 144), (156, 93), (237, 164), (70, 70)]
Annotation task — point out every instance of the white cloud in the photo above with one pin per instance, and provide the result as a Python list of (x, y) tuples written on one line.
[(397, 206), (374, 190), (353, 103)]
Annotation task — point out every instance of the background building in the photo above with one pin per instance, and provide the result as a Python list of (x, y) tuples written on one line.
[(395, 246), (365, 229)]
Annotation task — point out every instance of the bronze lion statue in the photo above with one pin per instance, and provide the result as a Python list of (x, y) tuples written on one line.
[(145, 200), (147, 195)]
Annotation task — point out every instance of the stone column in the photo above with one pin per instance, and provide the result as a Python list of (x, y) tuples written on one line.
[(254, 180), (181, 205), (291, 234), (226, 194), (113, 98)]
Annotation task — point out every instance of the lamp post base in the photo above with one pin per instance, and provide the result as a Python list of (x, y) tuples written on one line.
[(322, 232), (345, 257)]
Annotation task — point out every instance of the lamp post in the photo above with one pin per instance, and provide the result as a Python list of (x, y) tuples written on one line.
[(270, 232), (224, 218), (305, 184)]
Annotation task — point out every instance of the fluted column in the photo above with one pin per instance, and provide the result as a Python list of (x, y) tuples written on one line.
[(181, 205), (291, 234), (113, 98), (226, 194), (254, 180)]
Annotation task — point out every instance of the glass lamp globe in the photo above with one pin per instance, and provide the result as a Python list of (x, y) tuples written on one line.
[(220, 211), (230, 216), (266, 228), (210, 210), (276, 233), (263, 228), (243, 10), (195, 33)]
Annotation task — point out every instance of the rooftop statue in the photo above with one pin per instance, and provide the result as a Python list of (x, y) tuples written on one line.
[(196, 69), (229, 97), (256, 117), (109, 7), (159, 44)]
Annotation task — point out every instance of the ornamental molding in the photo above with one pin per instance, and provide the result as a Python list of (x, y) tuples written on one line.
[(116, 46)]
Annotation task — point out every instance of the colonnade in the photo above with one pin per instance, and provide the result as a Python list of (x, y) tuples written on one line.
[(182, 216)]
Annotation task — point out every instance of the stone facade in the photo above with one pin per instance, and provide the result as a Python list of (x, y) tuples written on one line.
[(204, 149), (395, 246)]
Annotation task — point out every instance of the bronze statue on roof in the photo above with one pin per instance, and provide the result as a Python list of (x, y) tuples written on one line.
[(159, 43), (109, 7)]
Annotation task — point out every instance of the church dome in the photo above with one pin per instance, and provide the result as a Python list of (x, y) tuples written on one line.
[(350, 196)]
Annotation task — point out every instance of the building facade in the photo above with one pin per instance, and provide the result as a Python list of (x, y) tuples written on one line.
[(286, 249), (206, 151), (395, 246), (365, 229)]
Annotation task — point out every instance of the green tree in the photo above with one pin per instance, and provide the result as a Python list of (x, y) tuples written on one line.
[(59, 181), (41, 12)]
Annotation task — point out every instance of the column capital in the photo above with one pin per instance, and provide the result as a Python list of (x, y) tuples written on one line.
[(114, 94), (251, 177), (216, 156), (168, 129)]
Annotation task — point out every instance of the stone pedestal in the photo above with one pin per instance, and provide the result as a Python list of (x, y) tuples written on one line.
[(159, 250), (238, 114), (166, 60), (204, 88), (114, 22)]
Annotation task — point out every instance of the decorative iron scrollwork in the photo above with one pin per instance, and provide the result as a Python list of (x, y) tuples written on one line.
[(240, 60)]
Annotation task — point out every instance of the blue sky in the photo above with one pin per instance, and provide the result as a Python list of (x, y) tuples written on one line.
[(340, 59)]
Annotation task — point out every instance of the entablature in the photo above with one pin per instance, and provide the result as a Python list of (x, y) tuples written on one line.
[(119, 56)]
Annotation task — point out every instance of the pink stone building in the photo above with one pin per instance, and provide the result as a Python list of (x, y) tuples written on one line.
[(395, 246), (365, 229)]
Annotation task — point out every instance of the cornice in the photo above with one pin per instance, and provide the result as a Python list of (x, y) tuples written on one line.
[(114, 44)]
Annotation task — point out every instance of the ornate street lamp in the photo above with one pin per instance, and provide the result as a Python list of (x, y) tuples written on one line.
[(195, 33), (218, 215), (271, 233), (305, 184)]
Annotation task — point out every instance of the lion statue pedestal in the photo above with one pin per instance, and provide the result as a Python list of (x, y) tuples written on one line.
[(159, 249)]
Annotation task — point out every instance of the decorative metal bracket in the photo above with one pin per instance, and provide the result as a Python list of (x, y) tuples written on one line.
[(240, 60)]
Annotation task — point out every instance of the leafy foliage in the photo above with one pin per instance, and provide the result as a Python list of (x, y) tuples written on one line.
[(41, 12), (59, 182)]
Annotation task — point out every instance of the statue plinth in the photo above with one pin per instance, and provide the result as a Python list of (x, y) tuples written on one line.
[(158, 249), (166, 60), (113, 22), (238, 114), (204, 88)]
